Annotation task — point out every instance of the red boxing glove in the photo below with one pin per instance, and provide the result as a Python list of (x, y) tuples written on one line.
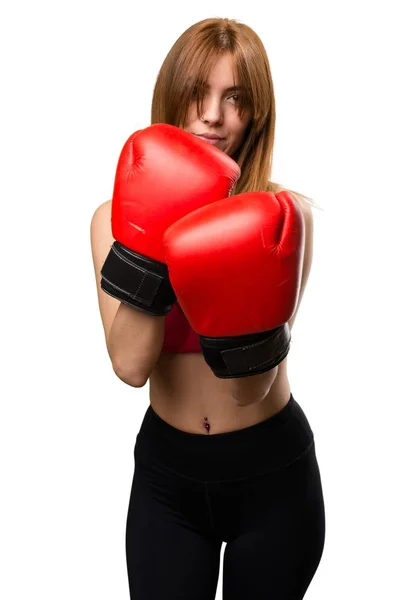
[(163, 173), (235, 267)]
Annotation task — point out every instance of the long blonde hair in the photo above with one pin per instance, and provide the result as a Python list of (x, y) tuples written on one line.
[(187, 66)]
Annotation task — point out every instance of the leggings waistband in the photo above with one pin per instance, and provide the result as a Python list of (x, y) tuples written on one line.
[(266, 446)]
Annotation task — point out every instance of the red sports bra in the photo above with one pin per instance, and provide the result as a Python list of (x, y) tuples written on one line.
[(178, 334)]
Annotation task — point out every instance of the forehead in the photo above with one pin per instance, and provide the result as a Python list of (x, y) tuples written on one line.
[(223, 73)]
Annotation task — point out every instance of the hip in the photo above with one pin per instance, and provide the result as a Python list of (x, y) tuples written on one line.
[(267, 446)]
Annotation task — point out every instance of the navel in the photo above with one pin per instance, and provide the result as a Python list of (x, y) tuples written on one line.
[(207, 426)]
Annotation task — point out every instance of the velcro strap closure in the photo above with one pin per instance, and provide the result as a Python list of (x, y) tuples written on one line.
[(123, 271), (253, 358), (247, 354)]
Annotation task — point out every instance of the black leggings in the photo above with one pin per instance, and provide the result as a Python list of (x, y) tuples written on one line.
[(258, 489)]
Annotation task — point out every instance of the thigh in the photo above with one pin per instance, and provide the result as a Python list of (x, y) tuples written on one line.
[(281, 538), (170, 553)]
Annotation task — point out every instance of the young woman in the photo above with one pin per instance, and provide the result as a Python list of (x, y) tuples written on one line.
[(224, 454)]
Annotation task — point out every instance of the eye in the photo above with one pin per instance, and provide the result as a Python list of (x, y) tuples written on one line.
[(235, 97)]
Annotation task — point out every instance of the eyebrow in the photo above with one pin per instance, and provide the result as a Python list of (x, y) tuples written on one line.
[(234, 88)]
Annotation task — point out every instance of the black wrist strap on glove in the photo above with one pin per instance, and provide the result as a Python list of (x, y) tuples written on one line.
[(245, 355), (137, 280)]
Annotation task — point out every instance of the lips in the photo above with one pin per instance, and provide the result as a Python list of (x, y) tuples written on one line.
[(209, 136)]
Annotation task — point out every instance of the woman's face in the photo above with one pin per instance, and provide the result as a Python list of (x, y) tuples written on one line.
[(219, 110)]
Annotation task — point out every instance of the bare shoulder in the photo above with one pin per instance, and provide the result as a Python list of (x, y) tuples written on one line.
[(307, 212), (101, 215), (308, 249), (309, 235), (101, 233), (305, 203), (305, 206), (101, 242)]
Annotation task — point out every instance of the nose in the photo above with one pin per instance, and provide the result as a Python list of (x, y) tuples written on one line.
[(212, 111)]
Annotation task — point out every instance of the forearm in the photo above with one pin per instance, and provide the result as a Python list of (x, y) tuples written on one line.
[(134, 344), (253, 389)]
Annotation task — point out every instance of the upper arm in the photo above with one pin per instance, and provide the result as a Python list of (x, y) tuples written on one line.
[(308, 254), (101, 241)]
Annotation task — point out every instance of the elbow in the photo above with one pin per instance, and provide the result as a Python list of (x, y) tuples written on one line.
[(253, 389), (133, 379), (245, 397), (243, 400)]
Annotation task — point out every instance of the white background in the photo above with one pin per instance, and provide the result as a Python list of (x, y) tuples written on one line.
[(77, 79)]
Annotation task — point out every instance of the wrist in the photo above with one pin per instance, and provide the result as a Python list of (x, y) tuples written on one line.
[(137, 280), (246, 355)]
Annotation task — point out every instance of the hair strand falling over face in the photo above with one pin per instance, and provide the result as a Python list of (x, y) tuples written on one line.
[(186, 68)]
